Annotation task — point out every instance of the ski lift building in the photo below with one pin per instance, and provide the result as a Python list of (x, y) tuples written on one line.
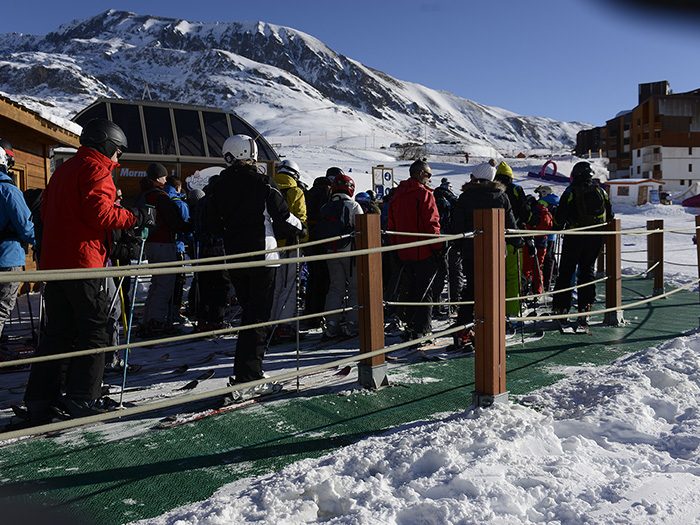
[(184, 138), (635, 192)]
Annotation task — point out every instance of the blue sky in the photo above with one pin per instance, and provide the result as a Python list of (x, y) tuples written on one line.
[(565, 59)]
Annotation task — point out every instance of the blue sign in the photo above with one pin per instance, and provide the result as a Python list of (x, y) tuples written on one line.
[(388, 176)]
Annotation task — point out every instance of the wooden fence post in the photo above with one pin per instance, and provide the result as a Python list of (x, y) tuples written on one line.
[(613, 267), (655, 255), (372, 371), (489, 307)]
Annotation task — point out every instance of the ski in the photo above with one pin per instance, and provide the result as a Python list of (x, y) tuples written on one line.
[(191, 417)]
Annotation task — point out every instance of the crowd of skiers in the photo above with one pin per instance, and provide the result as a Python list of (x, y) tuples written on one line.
[(243, 210)]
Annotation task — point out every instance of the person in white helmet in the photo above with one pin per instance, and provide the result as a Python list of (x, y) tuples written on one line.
[(245, 205)]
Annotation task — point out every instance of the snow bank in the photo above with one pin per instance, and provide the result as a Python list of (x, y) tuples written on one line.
[(615, 444)]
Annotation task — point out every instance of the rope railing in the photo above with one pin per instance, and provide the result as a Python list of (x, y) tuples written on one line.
[(445, 303), (167, 340), (532, 233), (643, 274), (126, 271), (414, 234), (681, 264), (207, 260), (608, 310), (219, 392)]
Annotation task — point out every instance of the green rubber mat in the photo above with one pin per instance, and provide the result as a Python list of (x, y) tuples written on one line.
[(147, 475)]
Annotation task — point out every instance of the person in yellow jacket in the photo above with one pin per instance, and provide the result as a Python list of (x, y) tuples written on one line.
[(284, 303), (521, 210)]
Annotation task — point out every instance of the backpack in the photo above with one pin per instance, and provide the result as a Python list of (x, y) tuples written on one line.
[(334, 220), (589, 201)]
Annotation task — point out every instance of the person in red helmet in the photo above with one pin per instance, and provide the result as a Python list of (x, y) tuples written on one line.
[(337, 217), (413, 210)]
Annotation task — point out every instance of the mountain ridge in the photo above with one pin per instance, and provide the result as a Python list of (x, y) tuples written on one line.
[(273, 76)]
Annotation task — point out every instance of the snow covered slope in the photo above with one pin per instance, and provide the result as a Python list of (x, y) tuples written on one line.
[(283, 81)]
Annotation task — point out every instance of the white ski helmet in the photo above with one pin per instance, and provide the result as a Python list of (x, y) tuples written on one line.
[(240, 147), (4, 163), (289, 167)]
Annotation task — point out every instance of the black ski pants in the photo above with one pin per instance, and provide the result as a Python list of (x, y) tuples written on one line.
[(582, 252), (254, 288), (420, 276), (76, 319), (316, 289), (465, 314)]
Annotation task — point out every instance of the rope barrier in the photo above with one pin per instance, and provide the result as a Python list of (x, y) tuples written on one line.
[(533, 233), (414, 234), (607, 310), (90, 273), (681, 264), (165, 340), (643, 274), (219, 392), (446, 303)]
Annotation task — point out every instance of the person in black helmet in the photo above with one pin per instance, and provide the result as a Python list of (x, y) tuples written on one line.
[(79, 212), (583, 203)]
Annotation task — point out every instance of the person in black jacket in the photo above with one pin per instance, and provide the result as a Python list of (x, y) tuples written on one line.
[(244, 207), (317, 281), (446, 200), (482, 192), (583, 203)]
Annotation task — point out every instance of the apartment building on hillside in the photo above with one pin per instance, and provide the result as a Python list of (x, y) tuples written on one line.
[(658, 139)]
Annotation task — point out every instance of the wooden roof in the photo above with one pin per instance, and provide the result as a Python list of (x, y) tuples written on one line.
[(54, 133)]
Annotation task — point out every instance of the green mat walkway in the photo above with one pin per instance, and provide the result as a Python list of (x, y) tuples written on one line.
[(144, 476)]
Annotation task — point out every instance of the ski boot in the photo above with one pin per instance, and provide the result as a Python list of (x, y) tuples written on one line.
[(462, 341)]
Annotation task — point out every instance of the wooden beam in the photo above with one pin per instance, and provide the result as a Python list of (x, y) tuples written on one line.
[(489, 307), (613, 268), (372, 371), (655, 255)]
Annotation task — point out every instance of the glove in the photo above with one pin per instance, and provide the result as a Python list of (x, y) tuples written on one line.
[(530, 244), (145, 217)]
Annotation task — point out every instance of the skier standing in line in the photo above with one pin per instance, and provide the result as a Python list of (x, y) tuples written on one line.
[(446, 201), (173, 187), (583, 203), (78, 212), (16, 228), (287, 178), (317, 282), (243, 204), (338, 218), (482, 192), (413, 210), (521, 211), (160, 247), (550, 268)]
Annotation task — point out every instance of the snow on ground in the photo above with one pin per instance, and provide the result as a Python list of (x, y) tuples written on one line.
[(615, 444)]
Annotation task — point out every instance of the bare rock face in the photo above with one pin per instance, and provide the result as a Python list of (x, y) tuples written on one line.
[(237, 65)]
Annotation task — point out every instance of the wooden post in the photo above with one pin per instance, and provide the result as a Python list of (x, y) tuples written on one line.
[(655, 255), (489, 307), (372, 371), (613, 267)]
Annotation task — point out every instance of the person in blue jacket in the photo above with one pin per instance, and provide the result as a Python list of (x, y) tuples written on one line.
[(173, 187), (16, 228)]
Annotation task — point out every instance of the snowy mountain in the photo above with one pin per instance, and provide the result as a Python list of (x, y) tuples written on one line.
[(283, 81)]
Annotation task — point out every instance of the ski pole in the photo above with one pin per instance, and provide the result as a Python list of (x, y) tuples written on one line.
[(144, 235), (35, 338), (298, 306)]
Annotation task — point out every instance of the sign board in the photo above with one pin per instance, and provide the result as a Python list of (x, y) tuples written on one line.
[(382, 179)]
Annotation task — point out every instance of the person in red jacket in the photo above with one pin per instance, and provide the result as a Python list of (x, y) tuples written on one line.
[(78, 212), (413, 209)]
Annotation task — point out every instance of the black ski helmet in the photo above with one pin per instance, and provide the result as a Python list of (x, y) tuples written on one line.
[(582, 172), (104, 136)]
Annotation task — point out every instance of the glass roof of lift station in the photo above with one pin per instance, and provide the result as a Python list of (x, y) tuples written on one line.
[(171, 132)]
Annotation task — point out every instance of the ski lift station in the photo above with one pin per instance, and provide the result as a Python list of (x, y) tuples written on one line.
[(184, 138), (635, 191)]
